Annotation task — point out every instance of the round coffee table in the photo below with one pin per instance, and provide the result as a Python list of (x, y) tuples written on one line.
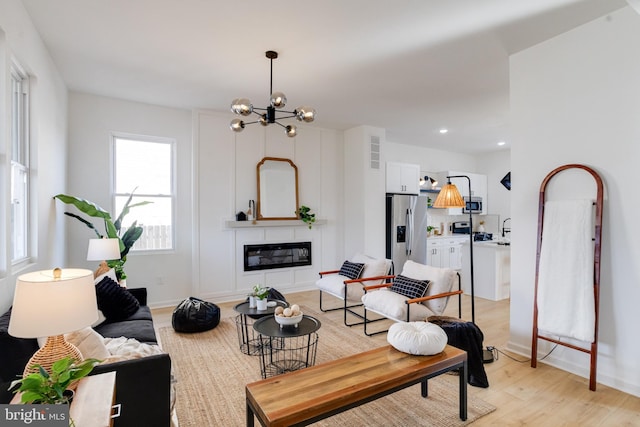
[(249, 343), (286, 348)]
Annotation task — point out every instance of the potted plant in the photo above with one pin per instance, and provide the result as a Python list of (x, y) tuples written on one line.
[(304, 213), (112, 229), (261, 295), (53, 387)]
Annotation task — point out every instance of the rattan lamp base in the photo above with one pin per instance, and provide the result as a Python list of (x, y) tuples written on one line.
[(54, 349)]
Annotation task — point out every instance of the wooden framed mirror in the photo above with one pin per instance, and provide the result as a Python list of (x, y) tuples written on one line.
[(277, 189)]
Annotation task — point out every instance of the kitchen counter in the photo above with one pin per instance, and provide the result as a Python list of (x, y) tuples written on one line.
[(492, 269)]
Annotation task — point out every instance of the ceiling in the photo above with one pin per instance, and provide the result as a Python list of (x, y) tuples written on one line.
[(409, 66)]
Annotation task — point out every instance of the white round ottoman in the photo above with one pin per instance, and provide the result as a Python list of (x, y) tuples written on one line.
[(419, 338)]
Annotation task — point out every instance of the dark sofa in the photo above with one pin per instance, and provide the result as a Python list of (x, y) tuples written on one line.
[(143, 386)]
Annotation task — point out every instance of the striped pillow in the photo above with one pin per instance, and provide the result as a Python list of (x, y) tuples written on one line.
[(115, 302), (410, 288), (352, 270)]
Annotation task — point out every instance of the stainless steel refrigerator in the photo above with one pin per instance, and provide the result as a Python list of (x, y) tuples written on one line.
[(406, 229)]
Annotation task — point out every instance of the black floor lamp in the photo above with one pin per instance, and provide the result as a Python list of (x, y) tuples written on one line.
[(449, 197)]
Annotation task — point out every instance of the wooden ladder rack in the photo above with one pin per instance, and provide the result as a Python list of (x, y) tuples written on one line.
[(593, 350)]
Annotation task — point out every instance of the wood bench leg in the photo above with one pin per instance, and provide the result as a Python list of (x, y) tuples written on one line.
[(249, 415), (463, 372), (424, 386)]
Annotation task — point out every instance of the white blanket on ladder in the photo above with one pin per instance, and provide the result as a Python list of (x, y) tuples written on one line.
[(566, 305)]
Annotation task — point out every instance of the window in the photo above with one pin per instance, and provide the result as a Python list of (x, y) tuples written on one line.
[(144, 166), (19, 165)]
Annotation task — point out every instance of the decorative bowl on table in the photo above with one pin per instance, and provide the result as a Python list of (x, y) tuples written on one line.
[(288, 321)]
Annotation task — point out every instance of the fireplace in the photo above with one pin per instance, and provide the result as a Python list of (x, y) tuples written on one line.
[(276, 255)]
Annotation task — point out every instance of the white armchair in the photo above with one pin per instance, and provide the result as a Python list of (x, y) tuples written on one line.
[(347, 283), (420, 291)]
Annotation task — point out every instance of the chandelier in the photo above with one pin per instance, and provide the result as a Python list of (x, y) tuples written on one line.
[(243, 107)]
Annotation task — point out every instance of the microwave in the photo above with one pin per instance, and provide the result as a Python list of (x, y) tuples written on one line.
[(472, 205)]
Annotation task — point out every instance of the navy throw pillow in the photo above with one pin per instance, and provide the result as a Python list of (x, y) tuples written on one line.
[(410, 288), (352, 270), (115, 302)]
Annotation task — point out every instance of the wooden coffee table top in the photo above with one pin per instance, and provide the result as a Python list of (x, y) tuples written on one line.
[(297, 396)]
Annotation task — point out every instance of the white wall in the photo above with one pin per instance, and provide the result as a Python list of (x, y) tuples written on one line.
[(19, 40), (92, 119), (495, 166), (576, 99), (225, 181)]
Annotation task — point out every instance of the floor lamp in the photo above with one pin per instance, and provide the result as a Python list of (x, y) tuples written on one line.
[(449, 197)]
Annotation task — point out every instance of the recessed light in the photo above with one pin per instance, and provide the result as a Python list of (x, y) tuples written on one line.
[(501, 143), (443, 130)]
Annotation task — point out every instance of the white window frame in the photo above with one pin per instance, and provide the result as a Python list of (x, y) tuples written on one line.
[(20, 163), (138, 194)]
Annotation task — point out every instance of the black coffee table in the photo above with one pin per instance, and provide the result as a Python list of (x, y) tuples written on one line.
[(249, 343), (286, 348)]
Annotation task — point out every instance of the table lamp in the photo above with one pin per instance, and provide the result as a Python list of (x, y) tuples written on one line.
[(49, 304), (102, 250)]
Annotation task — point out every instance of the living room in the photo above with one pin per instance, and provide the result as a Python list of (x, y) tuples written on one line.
[(555, 119)]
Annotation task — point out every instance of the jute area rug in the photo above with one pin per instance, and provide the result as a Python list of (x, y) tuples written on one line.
[(211, 374)]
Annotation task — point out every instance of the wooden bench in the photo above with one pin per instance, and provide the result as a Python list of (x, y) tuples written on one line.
[(309, 395)]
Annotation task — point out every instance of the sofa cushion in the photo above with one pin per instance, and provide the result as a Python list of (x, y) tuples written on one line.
[(334, 284), (14, 352), (115, 302), (89, 342), (373, 267), (442, 280), (392, 305), (141, 330)]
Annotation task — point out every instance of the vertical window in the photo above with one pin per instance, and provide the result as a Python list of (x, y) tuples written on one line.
[(19, 165), (145, 164)]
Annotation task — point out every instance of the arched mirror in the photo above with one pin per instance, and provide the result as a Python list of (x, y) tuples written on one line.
[(277, 189)]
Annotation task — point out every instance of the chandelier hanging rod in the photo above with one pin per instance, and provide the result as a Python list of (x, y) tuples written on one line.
[(243, 107)]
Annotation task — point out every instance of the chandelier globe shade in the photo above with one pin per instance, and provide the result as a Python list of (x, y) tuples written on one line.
[(270, 114)]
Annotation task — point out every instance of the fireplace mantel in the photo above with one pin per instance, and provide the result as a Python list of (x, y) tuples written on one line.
[(272, 223)]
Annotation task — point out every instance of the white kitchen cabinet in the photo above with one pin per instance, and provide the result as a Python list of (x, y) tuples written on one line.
[(403, 178), (445, 252), (491, 271)]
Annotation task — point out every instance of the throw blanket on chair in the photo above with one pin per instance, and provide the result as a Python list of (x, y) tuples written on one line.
[(468, 337), (566, 305)]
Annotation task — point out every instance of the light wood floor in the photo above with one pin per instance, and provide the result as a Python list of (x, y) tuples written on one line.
[(524, 396)]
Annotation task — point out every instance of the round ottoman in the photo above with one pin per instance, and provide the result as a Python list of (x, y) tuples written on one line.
[(419, 338), (195, 315)]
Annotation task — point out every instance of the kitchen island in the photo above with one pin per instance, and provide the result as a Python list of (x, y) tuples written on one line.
[(492, 269)]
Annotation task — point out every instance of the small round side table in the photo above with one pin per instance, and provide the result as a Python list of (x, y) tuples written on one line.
[(249, 343), (286, 348)]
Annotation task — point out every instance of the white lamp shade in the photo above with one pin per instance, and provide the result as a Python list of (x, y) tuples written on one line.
[(103, 249), (44, 306)]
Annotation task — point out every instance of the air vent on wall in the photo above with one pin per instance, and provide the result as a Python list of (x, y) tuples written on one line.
[(374, 152)]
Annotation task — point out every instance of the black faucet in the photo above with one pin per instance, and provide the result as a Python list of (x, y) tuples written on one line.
[(505, 230)]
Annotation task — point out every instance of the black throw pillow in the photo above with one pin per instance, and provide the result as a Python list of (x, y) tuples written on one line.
[(115, 302), (352, 270), (410, 288)]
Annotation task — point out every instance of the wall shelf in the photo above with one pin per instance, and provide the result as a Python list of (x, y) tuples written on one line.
[(272, 223)]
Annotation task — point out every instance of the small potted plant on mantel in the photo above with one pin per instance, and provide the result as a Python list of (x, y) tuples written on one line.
[(261, 295)]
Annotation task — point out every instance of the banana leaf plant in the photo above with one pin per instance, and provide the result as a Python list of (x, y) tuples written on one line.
[(112, 229)]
